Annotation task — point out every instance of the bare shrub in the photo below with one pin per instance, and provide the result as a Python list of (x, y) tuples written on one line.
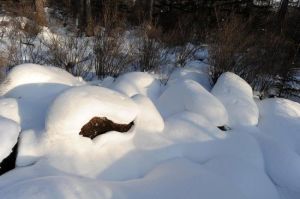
[(71, 53), (185, 53), (110, 17), (263, 57), (110, 58), (22, 46), (151, 50), (227, 44)]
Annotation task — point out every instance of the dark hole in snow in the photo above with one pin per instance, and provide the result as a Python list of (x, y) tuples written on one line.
[(101, 125), (9, 163), (224, 128)]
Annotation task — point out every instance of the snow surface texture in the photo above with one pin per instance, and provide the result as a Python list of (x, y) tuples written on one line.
[(174, 150), (188, 95), (138, 83), (33, 88), (237, 97), (9, 133), (196, 71)]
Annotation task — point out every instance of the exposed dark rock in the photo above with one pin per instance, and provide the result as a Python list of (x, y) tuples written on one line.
[(101, 125), (9, 163), (224, 128)]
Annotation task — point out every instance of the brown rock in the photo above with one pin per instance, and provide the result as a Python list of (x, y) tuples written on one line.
[(101, 125)]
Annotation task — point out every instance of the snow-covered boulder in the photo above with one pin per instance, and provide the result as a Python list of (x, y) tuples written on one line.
[(237, 97), (196, 71), (148, 119), (134, 83), (280, 118), (9, 108), (280, 142), (33, 74), (9, 133), (190, 96), (77, 106), (34, 87)]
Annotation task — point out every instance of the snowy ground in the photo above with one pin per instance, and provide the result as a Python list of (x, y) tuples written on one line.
[(174, 150)]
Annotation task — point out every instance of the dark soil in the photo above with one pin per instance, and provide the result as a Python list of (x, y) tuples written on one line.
[(101, 125)]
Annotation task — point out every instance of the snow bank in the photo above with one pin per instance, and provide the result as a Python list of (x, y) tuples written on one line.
[(134, 83), (237, 97), (176, 179), (190, 96), (77, 106), (9, 133), (174, 150), (9, 108)]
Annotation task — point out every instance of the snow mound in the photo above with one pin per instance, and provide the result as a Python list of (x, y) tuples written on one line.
[(237, 97), (9, 133), (9, 108), (190, 96), (148, 119), (39, 96), (134, 83), (35, 86), (77, 106), (194, 71), (280, 119), (280, 138), (33, 73)]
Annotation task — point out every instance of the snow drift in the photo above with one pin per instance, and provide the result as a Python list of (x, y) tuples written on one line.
[(174, 150)]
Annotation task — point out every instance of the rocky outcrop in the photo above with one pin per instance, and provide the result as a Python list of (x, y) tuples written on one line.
[(101, 125)]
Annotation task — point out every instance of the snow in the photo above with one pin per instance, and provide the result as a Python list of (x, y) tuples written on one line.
[(280, 141), (9, 108), (195, 70), (33, 74), (29, 150), (77, 106), (174, 150), (190, 96), (237, 97), (35, 86), (134, 83), (148, 118), (9, 133)]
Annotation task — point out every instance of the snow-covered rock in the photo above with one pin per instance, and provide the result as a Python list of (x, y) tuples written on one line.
[(190, 96), (148, 119), (34, 87), (134, 83), (280, 138), (77, 106), (237, 96), (9, 133), (196, 71), (174, 150), (33, 74)]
